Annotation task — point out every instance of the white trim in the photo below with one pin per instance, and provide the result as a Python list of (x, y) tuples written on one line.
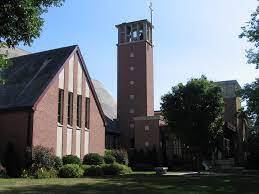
[(61, 79), (71, 74)]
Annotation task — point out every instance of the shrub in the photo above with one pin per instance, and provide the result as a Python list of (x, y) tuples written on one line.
[(27, 173), (109, 152), (93, 170), (116, 169), (42, 157), (109, 159), (71, 171), (121, 156), (42, 173), (41, 162), (85, 169), (58, 163), (93, 159), (71, 159)]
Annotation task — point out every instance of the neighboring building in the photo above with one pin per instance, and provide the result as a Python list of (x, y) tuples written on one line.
[(136, 120), (13, 52), (49, 100), (235, 128), (231, 144)]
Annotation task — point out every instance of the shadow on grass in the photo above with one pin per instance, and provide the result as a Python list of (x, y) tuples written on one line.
[(137, 184)]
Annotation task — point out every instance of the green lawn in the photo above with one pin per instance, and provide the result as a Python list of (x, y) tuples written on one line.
[(134, 184)]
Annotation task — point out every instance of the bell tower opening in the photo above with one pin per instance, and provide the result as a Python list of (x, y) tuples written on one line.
[(135, 31)]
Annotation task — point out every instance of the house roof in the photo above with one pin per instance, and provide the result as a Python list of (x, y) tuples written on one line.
[(13, 52), (29, 76)]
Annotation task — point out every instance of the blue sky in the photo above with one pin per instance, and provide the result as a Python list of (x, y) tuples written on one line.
[(191, 38)]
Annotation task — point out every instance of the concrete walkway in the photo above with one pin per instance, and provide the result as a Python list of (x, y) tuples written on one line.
[(205, 173), (180, 173)]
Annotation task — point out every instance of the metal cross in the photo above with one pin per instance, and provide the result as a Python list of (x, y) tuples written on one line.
[(151, 11)]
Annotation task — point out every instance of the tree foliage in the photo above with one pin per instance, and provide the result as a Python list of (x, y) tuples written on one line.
[(3, 66), (251, 32), (22, 21), (194, 113), (250, 93)]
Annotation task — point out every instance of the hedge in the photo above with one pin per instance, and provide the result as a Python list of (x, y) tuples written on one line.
[(93, 159), (121, 156), (116, 169), (71, 159), (71, 171), (93, 170), (109, 159)]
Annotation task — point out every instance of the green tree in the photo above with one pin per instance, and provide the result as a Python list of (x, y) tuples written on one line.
[(194, 113), (251, 32), (21, 20), (3, 65), (250, 94)]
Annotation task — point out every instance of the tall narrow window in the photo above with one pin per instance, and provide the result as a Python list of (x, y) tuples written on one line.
[(60, 105), (87, 112), (70, 109), (79, 110)]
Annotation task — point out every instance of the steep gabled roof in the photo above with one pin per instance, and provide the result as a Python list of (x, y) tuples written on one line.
[(29, 76)]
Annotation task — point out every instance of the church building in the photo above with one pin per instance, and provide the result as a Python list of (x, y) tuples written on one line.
[(49, 100)]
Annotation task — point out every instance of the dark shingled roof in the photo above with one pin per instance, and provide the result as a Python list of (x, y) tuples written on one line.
[(28, 76)]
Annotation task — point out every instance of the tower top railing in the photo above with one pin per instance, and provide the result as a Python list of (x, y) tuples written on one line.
[(140, 30)]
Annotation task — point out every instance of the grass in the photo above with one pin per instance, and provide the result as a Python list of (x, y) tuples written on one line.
[(137, 184)]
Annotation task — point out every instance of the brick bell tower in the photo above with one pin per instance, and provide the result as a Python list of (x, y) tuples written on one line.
[(135, 77)]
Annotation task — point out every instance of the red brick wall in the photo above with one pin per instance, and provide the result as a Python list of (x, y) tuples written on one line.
[(14, 125), (142, 89), (150, 80), (97, 129), (14, 128), (152, 136), (45, 118), (232, 105), (64, 138), (74, 107)]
